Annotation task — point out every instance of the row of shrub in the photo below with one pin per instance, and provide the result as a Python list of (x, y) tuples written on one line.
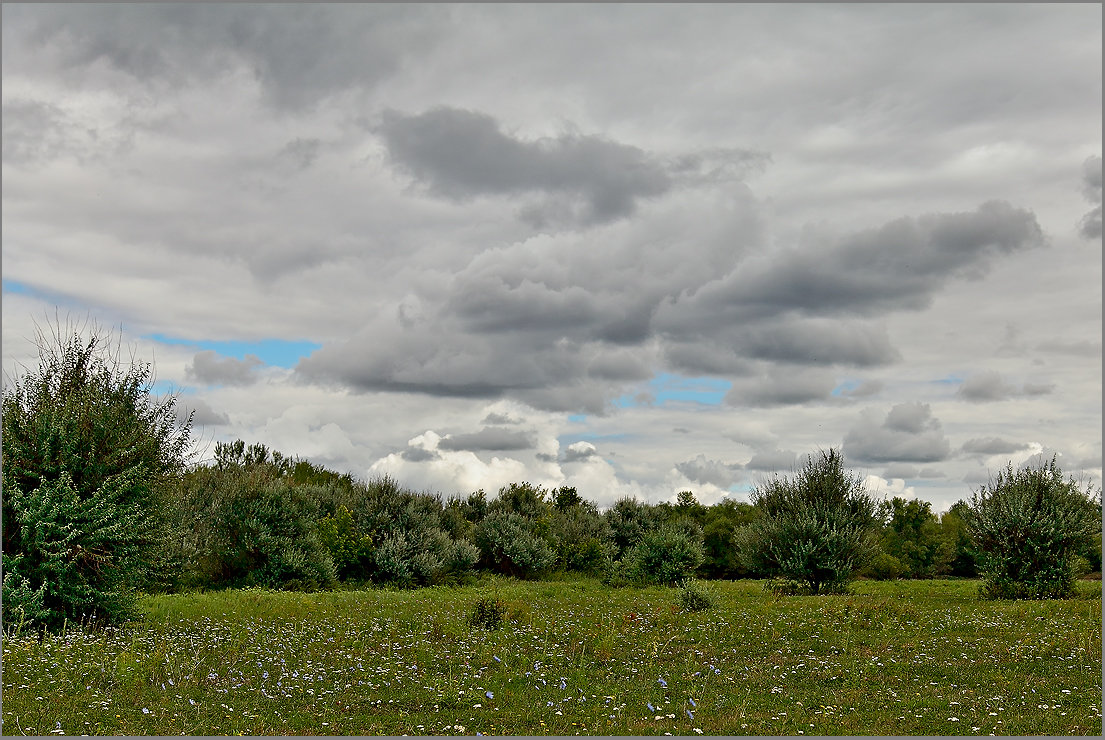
[(100, 505)]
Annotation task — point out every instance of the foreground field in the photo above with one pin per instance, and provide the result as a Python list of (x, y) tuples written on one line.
[(902, 658)]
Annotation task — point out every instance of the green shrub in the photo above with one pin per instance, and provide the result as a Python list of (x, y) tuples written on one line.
[(349, 548), (885, 567), (629, 519), (459, 563), (666, 555), (916, 539), (817, 529), (88, 455), (488, 613), (246, 528), (695, 597), (583, 539), (510, 545), (1028, 525)]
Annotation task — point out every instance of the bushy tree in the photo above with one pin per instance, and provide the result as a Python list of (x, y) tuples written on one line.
[(668, 555), (964, 557), (815, 530), (351, 549), (629, 519), (913, 536), (509, 544), (524, 499), (412, 544), (245, 526), (1027, 525), (88, 453), (581, 537), (722, 521)]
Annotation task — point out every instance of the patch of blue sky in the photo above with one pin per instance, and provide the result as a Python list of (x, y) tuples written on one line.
[(14, 286), (276, 352), (672, 387), (577, 418), (949, 380), (845, 386)]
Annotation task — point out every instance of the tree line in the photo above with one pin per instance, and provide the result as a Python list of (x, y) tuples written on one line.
[(101, 503)]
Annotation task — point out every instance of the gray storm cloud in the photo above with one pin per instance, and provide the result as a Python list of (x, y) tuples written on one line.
[(488, 438), (564, 326), (211, 368), (908, 433), (585, 179), (460, 154), (772, 461), (299, 54), (703, 470), (898, 266), (202, 413), (990, 386), (779, 387), (579, 452), (992, 446)]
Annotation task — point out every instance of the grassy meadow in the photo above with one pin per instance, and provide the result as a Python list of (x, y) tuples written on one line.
[(573, 657)]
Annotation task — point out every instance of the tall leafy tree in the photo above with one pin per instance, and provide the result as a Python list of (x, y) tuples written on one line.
[(88, 454), (914, 537)]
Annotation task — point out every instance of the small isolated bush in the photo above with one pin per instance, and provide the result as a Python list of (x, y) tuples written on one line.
[(1028, 525), (817, 529), (488, 613), (694, 596)]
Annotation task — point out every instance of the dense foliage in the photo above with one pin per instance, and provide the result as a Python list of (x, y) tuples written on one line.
[(1029, 525), (88, 455), (816, 530), (99, 505)]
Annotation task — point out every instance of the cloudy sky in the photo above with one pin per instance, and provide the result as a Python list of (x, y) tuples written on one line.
[(636, 249)]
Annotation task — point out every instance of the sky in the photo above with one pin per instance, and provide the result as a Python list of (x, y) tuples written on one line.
[(635, 249)]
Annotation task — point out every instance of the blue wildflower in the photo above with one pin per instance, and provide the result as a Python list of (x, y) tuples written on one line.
[(690, 714), (650, 707), (662, 682), (496, 658), (489, 695), (693, 704)]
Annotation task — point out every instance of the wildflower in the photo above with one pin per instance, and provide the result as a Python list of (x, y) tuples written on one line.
[(697, 729), (496, 658), (489, 695), (690, 714), (662, 682), (692, 702), (650, 707), (145, 711)]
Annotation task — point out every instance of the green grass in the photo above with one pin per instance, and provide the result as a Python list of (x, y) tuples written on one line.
[(573, 657)]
